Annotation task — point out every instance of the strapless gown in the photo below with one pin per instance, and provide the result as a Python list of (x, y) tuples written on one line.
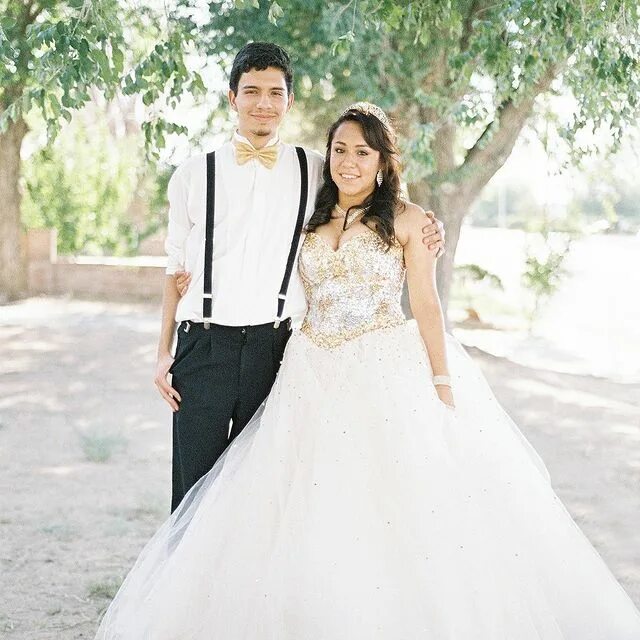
[(357, 506)]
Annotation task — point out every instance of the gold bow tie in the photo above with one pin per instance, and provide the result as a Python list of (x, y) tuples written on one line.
[(266, 155)]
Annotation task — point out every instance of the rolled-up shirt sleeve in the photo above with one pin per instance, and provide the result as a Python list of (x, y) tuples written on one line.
[(179, 223)]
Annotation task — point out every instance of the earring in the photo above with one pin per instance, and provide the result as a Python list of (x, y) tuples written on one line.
[(379, 178)]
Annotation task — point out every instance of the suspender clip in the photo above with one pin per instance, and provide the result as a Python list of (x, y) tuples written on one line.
[(187, 326), (206, 324), (278, 321)]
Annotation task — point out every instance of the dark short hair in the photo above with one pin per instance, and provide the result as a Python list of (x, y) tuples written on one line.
[(260, 56)]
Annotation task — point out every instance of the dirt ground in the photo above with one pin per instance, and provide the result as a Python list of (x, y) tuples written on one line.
[(85, 457)]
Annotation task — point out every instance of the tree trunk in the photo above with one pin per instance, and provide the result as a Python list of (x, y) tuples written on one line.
[(13, 266), (450, 205), (453, 213), (453, 188)]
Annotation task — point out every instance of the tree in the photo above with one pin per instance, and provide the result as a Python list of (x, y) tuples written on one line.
[(460, 77), (89, 184), (51, 54)]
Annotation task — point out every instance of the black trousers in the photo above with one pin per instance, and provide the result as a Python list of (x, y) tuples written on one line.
[(222, 375)]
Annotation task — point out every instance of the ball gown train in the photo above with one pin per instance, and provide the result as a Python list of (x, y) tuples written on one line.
[(357, 506)]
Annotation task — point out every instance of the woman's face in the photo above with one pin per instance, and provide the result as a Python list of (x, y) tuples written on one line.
[(353, 162)]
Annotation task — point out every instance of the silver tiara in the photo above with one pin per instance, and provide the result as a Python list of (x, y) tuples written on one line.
[(371, 110)]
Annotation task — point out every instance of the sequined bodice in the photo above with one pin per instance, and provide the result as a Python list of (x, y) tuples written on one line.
[(350, 291)]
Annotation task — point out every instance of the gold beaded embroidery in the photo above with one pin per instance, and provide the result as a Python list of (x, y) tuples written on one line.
[(352, 290)]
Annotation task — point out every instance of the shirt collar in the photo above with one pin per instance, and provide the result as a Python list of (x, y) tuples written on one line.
[(273, 141)]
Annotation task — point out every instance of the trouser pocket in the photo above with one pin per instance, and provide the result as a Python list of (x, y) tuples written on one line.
[(279, 342), (185, 344)]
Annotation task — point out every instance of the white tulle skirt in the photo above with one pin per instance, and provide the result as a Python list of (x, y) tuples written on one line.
[(357, 506)]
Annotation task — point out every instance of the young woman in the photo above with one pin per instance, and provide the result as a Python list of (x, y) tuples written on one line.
[(381, 491)]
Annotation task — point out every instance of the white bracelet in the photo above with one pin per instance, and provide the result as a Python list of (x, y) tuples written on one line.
[(444, 381)]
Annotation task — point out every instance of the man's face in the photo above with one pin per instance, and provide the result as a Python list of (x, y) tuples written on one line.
[(261, 103)]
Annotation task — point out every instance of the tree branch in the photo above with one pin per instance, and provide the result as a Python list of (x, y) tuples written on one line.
[(476, 8), (467, 28), (34, 12), (445, 131), (437, 75), (496, 142)]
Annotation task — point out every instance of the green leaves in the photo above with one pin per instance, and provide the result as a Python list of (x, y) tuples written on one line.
[(74, 46), (117, 56), (155, 131), (242, 4), (57, 57), (83, 184), (544, 266), (464, 58), (342, 46), (275, 12)]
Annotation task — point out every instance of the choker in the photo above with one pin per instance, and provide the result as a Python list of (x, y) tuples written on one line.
[(350, 217)]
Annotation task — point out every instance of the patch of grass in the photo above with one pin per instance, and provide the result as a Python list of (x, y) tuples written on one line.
[(100, 447), (104, 589), (60, 531), (151, 510), (118, 526), (491, 306), (6, 624)]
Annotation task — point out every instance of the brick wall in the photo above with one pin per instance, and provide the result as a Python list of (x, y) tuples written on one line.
[(118, 279)]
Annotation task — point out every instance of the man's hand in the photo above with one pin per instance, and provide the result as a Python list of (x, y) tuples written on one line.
[(434, 234), (166, 390), (183, 280)]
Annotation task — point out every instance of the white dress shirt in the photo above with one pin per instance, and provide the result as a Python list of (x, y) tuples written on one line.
[(255, 216)]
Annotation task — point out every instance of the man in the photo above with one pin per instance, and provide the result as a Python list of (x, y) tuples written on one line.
[(234, 226)]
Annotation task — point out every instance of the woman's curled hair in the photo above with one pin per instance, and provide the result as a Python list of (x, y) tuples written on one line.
[(381, 206)]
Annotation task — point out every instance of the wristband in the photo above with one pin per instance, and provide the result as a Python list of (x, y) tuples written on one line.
[(444, 381)]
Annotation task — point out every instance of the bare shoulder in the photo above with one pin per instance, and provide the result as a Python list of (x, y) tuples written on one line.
[(409, 221)]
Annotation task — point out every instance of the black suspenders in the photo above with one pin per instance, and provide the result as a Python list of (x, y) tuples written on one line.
[(207, 298), (302, 207)]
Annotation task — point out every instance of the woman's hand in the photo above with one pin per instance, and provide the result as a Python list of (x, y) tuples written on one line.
[(446, 395), (183, 279)]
